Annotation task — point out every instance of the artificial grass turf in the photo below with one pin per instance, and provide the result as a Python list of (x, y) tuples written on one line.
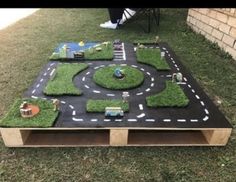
[(105, 54), (104, 77), (62, 83), (45, 117), (100, 105), (152, 57), (171, 96)]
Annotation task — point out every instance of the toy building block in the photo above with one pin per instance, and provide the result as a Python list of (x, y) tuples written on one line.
[(118, 73), (28, 110), (56, 104), (81, 43)]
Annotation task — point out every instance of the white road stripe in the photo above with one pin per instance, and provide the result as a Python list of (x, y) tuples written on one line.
[(206, 111), (189, 86), (96, 91), (74, 113), (152, 79), (167, 120), (194, 120), (152, 84), (202, 103), (197, 96), (141, 115), (140, 93), (118, 120), (75, 119), (96, 67), (181, 83), (41, 80), (37, 86), (132, 120), (45, 74), (176, 65), (193, 90), (205, 118), (107, 120), (48, 69), (52, 72), (72, 107), (168, 76), (148, 73), (83, 79), (94, 120), (63, 102), (163, 48), (148, 89), (33, 91), (43, 98), (171, 58), (181, 120), (177, 69), (87, 73), (123, 64), (142, 69), (134, 66), (34, 97), (140, 106), (185, 79), (111, 95), (150, 120), (86, 86)]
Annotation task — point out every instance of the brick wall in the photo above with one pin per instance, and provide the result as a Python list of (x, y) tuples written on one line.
[(218, 25)]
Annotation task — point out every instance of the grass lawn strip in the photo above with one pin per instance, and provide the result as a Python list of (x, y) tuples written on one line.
[(104, 77), (152, 57), (45, 117), (106, 52), (62, 83), (172, 96), (100, 105)]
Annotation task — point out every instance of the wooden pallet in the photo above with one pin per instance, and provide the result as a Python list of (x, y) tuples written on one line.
[(76, 137)]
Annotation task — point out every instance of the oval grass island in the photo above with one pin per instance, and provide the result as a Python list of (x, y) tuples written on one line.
[(104, 77)]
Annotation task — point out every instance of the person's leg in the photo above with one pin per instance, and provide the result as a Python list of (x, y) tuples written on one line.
[(115, 14), (128, 13), (115, 17)]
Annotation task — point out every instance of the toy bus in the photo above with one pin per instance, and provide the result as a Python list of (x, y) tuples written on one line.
[(114, 111)]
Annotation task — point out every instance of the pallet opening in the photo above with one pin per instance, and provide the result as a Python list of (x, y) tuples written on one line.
[(166, 137), (67, 138)]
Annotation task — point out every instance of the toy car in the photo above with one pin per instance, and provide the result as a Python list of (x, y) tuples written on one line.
[(114, 111), (117, 47), (79, 54)]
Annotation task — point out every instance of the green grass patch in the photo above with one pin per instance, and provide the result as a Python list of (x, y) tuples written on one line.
[(104, 77), (100, 105), (172, 96), (45, 117), (105, 54), (62, 83), (152, 57)]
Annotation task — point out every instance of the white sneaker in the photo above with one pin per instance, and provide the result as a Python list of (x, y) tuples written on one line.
[(126, 15), (109, 25)]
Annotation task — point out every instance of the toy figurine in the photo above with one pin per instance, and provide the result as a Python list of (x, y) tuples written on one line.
[(157, 39), (55, 103), (125, 96), (177, 77), (162, 54), (81, 43)]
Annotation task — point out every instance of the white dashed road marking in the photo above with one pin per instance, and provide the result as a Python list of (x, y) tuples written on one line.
[(132, 120), (111, 95), (37, 86), (140, 106), (96, 91), (140, 93), (33, 91), (41, 80), (206, 111), (94, 120), (205, 118), (86, 86), (194, 120), (74, 113), (87, 73), (181, 120), (202, 103), (167, 120), (148, 89), (150, 120), (83, 79), (141, 115), (34, 97), (75, 119), (72, 107), (52, 72)]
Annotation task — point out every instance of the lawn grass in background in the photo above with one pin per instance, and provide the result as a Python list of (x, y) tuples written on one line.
[(100, 105), (45, 117), (62, 82), (152, 57), (171, 96), (25, 48)]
